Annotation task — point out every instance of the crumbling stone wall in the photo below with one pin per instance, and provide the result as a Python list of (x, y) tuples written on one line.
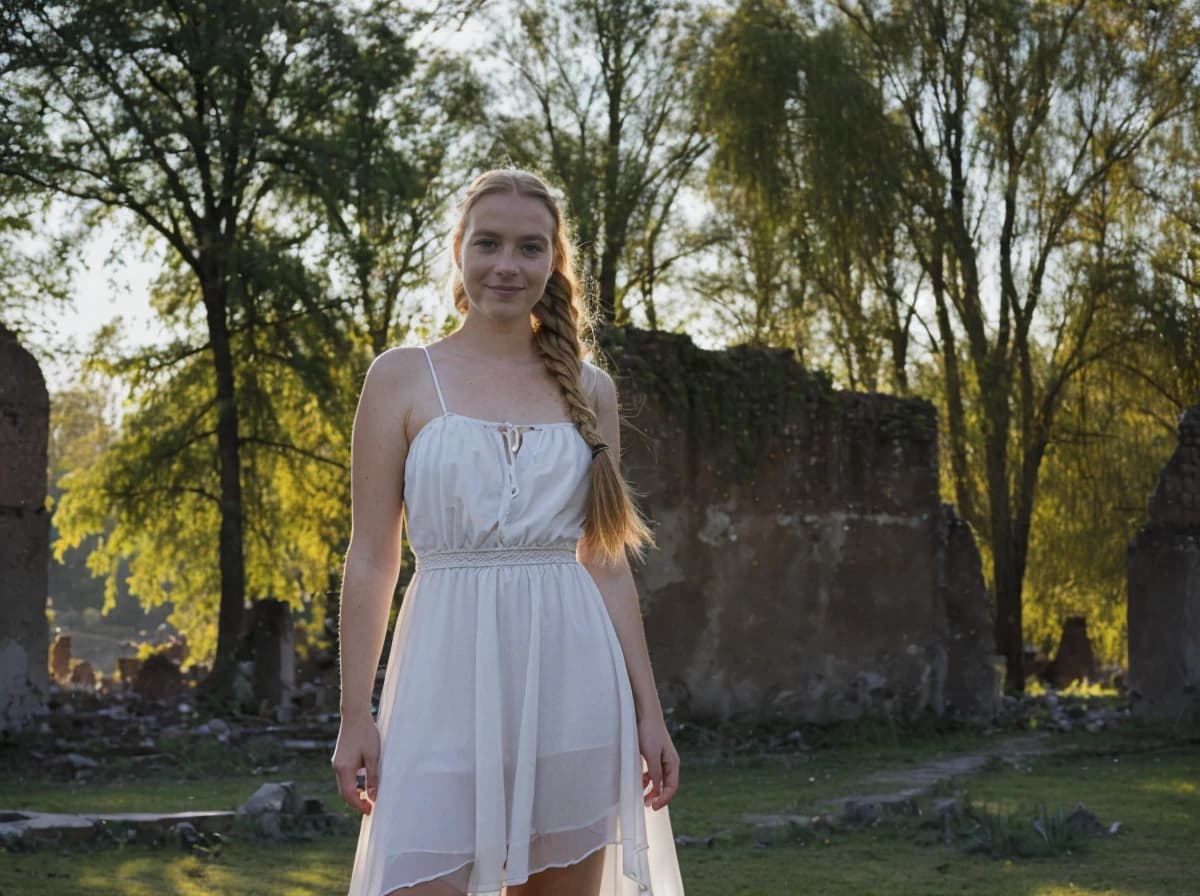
[(24, 535), (804, 566), (1164, 588)]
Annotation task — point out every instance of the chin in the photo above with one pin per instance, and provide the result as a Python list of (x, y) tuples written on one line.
[(505, 310)]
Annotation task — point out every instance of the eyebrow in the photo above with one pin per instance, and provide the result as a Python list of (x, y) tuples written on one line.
[(537, 237)]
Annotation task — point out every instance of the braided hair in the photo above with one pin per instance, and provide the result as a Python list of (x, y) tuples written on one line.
[(561, 322)]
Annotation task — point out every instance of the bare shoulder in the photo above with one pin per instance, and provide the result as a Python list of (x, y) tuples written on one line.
[(391, 381), (599, 386), (397, 363)]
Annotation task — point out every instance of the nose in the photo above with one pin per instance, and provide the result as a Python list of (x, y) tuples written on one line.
[(506, 263)]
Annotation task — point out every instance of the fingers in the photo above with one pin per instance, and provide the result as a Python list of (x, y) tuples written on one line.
[(655, 772), (371, 764), (670, 765), (346, 774)]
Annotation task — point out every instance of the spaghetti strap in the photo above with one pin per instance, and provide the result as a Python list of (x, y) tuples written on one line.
[(436, 384)]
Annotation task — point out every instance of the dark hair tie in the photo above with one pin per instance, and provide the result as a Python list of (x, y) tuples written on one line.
[(597, 448)]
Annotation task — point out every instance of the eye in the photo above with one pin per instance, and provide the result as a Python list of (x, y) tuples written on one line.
[(532, 248), (485, 242)]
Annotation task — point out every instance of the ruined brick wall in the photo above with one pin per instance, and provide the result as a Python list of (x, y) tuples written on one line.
[(803, 565), (24, 534), (1164, 588)]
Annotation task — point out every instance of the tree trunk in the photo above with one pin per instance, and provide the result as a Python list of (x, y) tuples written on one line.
[(607, 287), (1005, 577), (614, 211), (955, 415), (231, 547)]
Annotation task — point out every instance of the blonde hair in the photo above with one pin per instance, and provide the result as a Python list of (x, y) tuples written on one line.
[(562, 322)]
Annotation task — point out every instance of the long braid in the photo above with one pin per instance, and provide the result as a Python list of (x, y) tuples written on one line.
[(557, 338), (612, 521)]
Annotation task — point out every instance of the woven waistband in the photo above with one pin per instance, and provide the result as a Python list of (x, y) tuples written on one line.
[(495, 557)]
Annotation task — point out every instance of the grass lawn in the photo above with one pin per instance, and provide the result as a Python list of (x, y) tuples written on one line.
[(1155, 794), (1156, 797)]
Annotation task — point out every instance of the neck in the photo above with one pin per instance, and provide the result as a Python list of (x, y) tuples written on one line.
[(500, 340)]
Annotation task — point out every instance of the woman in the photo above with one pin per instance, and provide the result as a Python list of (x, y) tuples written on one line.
[(518, 691)]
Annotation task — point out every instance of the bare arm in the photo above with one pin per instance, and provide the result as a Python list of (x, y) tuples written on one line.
[(617, 587), (619, 591), (378, 454)]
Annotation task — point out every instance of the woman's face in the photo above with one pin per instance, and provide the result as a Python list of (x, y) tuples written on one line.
[(507, 254)]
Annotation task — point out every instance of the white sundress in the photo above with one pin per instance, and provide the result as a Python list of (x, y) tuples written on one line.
[(506, 718)]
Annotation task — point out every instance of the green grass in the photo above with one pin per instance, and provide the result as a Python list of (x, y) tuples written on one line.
[(1156, 796), (1155, 793), (243, 869), (206, 775)]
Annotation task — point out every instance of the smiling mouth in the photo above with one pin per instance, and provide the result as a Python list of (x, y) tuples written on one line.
[(505, 288)]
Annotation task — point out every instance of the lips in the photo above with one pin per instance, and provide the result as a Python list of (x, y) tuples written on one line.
[(505, 290)]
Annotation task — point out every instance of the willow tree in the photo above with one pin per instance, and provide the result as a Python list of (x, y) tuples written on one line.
[(1118, 421), (1169, 182), (805, 172)]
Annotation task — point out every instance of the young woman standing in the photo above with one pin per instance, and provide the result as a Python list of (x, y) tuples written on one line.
[(518, 693)]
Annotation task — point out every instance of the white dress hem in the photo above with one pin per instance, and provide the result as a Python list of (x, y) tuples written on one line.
[(642, 885)]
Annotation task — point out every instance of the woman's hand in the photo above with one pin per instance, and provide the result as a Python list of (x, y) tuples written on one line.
[(357, 748), (662, 761)]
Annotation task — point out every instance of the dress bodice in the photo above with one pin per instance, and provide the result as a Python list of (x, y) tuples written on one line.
[(473, 484)]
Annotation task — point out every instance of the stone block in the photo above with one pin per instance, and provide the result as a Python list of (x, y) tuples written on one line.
[(24, 536), (1163, 610)]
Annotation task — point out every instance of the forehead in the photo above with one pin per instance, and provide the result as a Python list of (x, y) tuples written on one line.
[(511, 213)]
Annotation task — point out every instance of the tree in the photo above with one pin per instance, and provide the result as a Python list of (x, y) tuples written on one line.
[(608, 83), (806, 170), (181, 113), (398, 141), (1018, 116), (153, 491), (1168, 182)]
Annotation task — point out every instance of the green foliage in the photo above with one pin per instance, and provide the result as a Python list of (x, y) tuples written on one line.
[(397, 143), (748, 94), (1098, 477), (37, 262), (1023, 832), (806, 176), (154, 496)]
